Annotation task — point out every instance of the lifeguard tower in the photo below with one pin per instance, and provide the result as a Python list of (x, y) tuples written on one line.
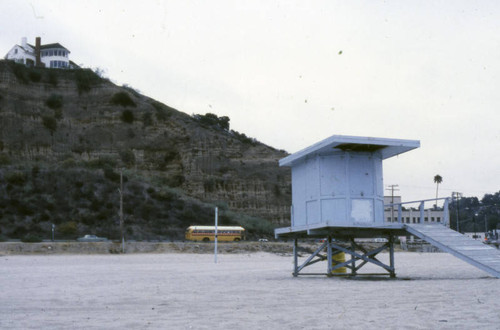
[(338, 196)]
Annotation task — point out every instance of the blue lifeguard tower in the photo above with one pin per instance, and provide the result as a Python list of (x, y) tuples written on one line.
[(338, 195)]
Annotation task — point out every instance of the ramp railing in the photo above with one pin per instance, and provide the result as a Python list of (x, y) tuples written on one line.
[(420, 214)]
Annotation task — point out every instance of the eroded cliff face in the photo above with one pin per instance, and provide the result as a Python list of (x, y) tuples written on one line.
[(66, 117)]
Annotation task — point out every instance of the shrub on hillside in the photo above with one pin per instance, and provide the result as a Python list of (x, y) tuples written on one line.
[(69, 228), (86, 79), (50, 123), (243, 138), (127, 116), (20, 72), (19, 232), (212, 120), (123, 99), (54, 101), (176, 180), (256, 225), (16, 178), (163, 112), (34, 75), (111, 175), (52, 78), (128, 157), (4, 159), (102, 162), (31, 238), (147, 119)]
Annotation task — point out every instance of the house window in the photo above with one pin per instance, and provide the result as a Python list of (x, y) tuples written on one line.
[(15, 51), (438, 219)]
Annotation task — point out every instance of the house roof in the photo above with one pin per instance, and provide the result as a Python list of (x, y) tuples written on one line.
[(342, 143), (50, 46)]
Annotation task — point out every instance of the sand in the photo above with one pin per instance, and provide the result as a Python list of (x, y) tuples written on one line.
[(242, 291)]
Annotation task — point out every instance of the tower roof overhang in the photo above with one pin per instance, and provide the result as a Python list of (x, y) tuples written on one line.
[(342, 143)]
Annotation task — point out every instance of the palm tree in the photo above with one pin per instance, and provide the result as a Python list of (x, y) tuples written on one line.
[(437, 180)]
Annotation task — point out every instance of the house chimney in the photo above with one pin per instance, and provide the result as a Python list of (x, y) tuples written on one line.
[(24, 43), (38, 44)]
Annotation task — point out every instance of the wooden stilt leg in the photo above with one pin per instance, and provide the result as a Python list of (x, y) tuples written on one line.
[(391, 256), (295, 258), (353, 264), (329, 256)]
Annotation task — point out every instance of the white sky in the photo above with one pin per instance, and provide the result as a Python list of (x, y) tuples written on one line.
[(291, 73)]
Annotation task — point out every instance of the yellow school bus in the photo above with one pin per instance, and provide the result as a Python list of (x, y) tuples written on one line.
[(207, 233)]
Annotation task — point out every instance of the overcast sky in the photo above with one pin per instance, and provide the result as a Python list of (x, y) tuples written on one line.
[(291, 73)]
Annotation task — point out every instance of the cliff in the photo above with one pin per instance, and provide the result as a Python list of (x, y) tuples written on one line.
[(74, 123)]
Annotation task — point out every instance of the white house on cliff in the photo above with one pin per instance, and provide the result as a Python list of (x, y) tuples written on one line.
[(48, 56)]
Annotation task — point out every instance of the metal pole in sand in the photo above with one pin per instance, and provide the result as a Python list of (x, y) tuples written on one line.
[(121, 210), (215, 248)]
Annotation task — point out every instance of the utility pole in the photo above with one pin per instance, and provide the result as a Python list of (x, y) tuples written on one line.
[(392, 188), (457, 195)]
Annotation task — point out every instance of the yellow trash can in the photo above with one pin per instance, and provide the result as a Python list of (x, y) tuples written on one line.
[(338, 258)]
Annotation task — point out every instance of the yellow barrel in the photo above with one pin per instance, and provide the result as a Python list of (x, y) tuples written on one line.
[(338, 258)]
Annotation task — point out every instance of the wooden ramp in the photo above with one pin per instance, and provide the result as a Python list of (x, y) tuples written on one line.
[(469, 250)]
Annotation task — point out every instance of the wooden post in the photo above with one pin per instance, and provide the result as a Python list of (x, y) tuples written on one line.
[(353, 249), (329, 255), (295, 258), (391, 256)]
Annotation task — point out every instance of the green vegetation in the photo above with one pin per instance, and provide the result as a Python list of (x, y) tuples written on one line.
[(147, 119), (163, 112), (127, 157), (243, 138), (24, 74), (34, 75), (50, 123), (123, 99), (212, 120), (71, 178), (31, 238), (82, 200), (15, 178), (52, 78), (54, 101), (4, 159), (20, 71), (476, 215), (127, 116), (86, 79)]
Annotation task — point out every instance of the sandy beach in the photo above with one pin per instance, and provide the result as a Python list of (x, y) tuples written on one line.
[(244, 291)]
